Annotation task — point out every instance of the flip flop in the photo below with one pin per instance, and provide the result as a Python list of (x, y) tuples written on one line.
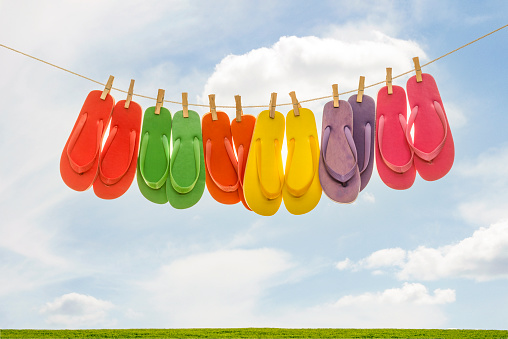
[(187, 175), (118, 159), (264, 175), (302, 189), (153, 161), (394, 157), (364, 119), (433, 141), (338, 164), (242, 136), (220, 160), (79, 162)]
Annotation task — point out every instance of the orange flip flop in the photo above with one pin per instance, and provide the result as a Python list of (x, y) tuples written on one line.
[(118, 159), (221, 164), (79, 162), (242, 135)]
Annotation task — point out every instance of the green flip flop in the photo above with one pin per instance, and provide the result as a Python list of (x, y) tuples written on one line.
[(153, 161), (186, 181)]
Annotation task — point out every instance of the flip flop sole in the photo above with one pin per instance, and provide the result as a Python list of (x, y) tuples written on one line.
[(264, 175), (428, 129), (221, 177), (86, 149), (364, 125), (392, 138), (242, 135), (120, 159), (302, 189), (339, 154)]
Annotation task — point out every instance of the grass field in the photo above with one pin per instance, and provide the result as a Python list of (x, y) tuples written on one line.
[(254, 333)]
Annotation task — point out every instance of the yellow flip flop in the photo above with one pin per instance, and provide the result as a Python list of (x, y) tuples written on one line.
[(264, 175), (302, 189)]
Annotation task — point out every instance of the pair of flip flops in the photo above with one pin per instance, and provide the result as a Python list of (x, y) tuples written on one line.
[(347, 148), (110, 169), (265, 183), (177, 176), (224, 170), (431, 153)]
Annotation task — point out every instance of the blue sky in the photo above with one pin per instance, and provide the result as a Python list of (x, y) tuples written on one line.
[(434, 256)]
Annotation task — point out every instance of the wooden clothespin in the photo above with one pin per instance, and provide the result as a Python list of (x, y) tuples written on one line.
[(335, 88), (108, 87), (273, 103), (389, 80), (129, 95), (239, 112), (361, 86), (418, 69), (185, 105), (296, 105), (160, 101), (213, 110)]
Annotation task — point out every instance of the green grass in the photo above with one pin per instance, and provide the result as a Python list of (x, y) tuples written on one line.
[(254, 333)]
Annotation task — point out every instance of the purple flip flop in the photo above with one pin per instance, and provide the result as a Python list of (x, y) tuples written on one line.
[(364, 125), (338, 163)]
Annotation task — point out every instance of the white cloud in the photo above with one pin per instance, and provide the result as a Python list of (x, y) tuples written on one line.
[(483, 256), (75, 310)]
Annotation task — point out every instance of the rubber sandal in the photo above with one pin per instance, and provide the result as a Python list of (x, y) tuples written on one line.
[(186, 182), (264, 175), (79, 163), (119, 156), (364, 124), (433, 141), (394, 157), (242, 135), (338, 166), (153, 161), (221, 164), (302, 189)]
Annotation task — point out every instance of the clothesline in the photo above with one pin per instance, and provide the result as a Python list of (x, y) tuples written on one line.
[(252, 106)]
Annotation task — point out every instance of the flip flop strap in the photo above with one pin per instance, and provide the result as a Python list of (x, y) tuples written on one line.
[(298, 192), (367, 130), (342, 178), (197, 165), (240, 164), (74, 138), (132, 143), (142, 156), (269, 194), (232, 159), (396, 168), (434, 153)]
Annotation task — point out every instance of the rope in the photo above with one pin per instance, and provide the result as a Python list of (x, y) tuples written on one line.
[(254, 106)]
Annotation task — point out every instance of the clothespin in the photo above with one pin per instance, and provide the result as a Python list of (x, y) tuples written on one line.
[(296, 111), (185, 105), (335, 88), (361, 86), (418, 69), (129, 95), (160, 101), (239, 112), (389, 80), (273, 103), (108, 87), (211, 97)]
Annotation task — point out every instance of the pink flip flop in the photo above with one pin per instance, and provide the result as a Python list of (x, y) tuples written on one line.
[(433, 142), (394, 157)]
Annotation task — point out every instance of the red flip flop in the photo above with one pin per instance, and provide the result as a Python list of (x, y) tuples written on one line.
[(118, 159), (221, 164), (80, 157), (242, 136), (394, 157), (433, 141)]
